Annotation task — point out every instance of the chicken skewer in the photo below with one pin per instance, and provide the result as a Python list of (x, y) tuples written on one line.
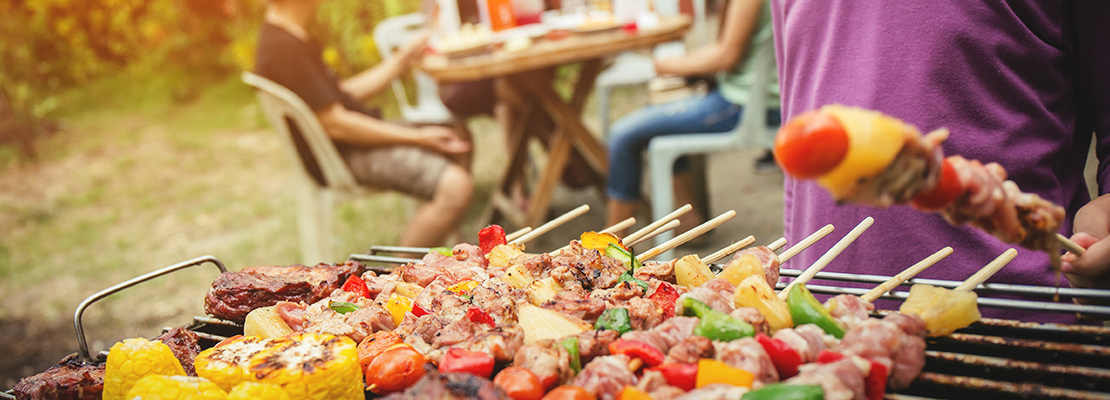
[(518, 233), (945, 310), (668, 226), (634, 236), (562, 219), (805, 243), (732, 248), (615, 228), (685, 237)]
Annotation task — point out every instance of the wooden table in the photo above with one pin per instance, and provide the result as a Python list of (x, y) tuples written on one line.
[(520, 69)]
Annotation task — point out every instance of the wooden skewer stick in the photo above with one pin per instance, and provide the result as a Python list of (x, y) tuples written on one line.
[(808, 241), (685, 237), (906, 275), (542, 229), (656, 225), (520, 232), (828, 256), (619, 226), (732, 248), (670, 225), (777, 244), (1071, 246), (986, 272)]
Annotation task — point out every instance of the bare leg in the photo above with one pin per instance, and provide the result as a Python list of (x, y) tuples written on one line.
[(683, 194), (441, 216), (620, 211)]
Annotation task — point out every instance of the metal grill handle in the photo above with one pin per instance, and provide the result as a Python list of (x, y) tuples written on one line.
[(82, 346)]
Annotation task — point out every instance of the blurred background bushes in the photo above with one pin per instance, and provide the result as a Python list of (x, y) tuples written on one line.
[(51, 46)]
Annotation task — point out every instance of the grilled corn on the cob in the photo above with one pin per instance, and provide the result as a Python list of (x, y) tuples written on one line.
[(131, 360), (226, 364), (311, 366), (180, 387), (254, 390)]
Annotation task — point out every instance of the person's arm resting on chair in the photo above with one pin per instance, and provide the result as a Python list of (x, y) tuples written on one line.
[(356, 128)]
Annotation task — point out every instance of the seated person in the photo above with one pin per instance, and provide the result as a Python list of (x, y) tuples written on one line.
[(745, 25), (426, 162)]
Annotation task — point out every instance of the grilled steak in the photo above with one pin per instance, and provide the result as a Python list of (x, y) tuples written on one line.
[(71, 379), (234, 294)]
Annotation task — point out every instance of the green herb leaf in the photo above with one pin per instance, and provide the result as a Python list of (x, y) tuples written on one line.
[(342, 307), (627, 277), (443, 250)]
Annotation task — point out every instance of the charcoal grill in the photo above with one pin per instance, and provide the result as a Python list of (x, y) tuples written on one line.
[(991, 359)]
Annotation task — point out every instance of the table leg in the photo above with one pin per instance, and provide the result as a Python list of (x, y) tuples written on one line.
[(570, 122)]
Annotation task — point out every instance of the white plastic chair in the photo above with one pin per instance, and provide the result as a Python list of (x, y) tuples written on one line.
[(752, 130), (632, 68), (389, 35), (315, 202)]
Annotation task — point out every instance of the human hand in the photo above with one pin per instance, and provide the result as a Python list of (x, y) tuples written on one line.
[(1092, 227), (414, 47), (443, 140)]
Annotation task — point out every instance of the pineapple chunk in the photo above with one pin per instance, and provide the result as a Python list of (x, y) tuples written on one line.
[(540, 324), (542, 290), (943, 310), (753, 291), (518, 277), (742, 267), (265, 323), (689, 271), (410, 290), (503, 255)]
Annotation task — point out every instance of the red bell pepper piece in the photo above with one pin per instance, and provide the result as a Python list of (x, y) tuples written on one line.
[(785, 358), (356, 285), (471, 362), (490, 237), (478, 315), (826, 357), (419, 311), (682, 376), (876, 381), (636, 349), (665, 296)]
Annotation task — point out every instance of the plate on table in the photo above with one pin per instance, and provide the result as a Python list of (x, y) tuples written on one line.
[(596, 27)]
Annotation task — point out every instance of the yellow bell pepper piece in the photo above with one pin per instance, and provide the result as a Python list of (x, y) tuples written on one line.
[(463, 287), (133, 359), (711, 371), (598, 240), (164, 387), (632, 393), (398, 306)]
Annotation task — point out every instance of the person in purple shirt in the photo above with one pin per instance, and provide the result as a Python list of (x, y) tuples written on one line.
[(1025, 84)]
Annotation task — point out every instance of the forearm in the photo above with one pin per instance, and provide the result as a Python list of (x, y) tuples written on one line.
[(703, 61), (359, 129), (368, 83)]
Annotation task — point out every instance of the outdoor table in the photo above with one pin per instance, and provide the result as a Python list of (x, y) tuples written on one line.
[(519, 69)]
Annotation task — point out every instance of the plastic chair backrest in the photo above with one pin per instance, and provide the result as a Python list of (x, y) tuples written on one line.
[(389, 35), (280, 105)]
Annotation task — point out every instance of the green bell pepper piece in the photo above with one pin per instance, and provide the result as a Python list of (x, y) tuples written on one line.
[(571, 344), (616, 319), (615, 251), (443, 250), (627, 277), (805, 309), (342, 307), (715, 325), (780, 391)]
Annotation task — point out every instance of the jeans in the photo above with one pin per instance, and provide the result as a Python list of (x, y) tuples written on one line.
[(630, 136)]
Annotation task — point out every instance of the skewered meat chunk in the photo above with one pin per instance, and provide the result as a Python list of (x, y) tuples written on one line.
[(655, 385), (690, 350), (235, 294), (752, 316), (663, 271), (665, 335), (645, 314), (841, 380), (716, 293), (575, 301), (747, 354), (450, 386), (70, 379), (850, 310), (605, 376), (586, 266), (897, 341), (807, 340), (547, 359), (595, 343), (768, 259), (183, 343), (502, 342), (714, 391)]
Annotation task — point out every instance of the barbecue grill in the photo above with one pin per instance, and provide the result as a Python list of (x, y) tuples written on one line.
[(991, 359)]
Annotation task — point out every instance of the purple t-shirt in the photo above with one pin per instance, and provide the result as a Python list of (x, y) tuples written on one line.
[(1005, 78)]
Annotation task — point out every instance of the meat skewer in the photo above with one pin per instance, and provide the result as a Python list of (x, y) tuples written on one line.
[(987, 271), (777, 244), (542, 229), (518, 233), (827, 258), (685, 237), (634, 236), (945, 311), (1069, 245), (866, 157), (805, 243), (906, 275), (666, 227)]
